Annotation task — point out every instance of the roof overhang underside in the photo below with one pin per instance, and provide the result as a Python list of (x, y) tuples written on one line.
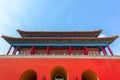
[(95, 42)]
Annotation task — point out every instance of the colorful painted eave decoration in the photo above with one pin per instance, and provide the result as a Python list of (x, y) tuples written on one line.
[(59, 41), (59, 33)]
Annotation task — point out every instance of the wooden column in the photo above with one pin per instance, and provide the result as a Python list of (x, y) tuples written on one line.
[(9, 50), (85, 50), (15, 50), (48, 50), (103, 50), (110, 51), (32, 50), (70, 50)]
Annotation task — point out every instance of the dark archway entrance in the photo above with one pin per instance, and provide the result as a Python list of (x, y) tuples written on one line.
[(59, 73), (29, 75), (89, 75)]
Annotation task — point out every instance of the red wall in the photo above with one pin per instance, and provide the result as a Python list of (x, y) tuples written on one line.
[(12, 68)]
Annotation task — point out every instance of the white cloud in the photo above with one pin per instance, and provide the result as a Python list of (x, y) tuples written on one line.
[(102, 35)]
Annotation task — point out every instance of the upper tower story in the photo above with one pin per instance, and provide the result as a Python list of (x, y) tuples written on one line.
[(60, 43), (59, 33)]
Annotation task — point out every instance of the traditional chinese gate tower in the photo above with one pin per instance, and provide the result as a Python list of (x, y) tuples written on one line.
[(79, 55)]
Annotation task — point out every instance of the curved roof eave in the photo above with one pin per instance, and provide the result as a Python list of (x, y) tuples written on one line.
[(62, 38), (12, 40), (23, 33)]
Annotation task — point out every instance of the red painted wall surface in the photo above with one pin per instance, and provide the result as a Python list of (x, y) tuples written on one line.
[(12, 68)]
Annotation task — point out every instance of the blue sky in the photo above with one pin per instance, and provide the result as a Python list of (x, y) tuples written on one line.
[(59, 15)]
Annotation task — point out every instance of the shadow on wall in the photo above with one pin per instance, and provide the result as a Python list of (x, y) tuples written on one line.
[(58, 73), (89, 75), (29, 75)]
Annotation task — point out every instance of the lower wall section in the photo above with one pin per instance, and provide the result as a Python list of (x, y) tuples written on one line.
[(51, 68)]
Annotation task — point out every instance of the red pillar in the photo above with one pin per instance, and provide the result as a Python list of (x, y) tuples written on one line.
[(9, 50), (15, 50), (48, 50), (85, 50), (110, 51), (32, 50), (14, 53), (70, 50), (103, 50)]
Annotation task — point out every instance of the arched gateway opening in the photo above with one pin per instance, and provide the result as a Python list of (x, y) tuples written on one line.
[(29, 75), (59, 73), (89, 75)]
